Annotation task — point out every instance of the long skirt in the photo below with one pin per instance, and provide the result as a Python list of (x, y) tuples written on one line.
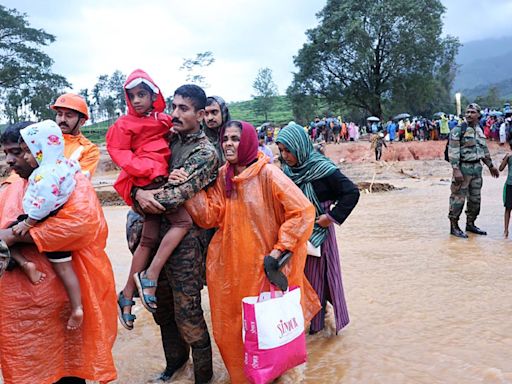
[(324, 274)]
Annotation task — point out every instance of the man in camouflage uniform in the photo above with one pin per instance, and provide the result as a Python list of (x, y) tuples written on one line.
[(215, 118), (466, 149), (179, 313)]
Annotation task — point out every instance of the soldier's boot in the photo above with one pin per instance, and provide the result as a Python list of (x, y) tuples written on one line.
[(203, 366), (471, 227), (170, 370), (455, 230), (176, 352)]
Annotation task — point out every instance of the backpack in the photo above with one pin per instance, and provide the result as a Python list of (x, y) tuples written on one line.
[(463, 128)]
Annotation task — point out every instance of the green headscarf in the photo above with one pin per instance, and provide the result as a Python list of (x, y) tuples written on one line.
[(311, 165)]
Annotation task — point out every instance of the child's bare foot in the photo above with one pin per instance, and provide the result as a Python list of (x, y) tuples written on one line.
[(505, 234), (76, 318), (34, 275)]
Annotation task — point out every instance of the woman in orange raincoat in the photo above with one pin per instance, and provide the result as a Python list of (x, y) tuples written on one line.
[(258, 211), (35, 346)]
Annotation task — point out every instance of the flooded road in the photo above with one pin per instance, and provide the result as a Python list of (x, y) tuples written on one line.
[(425, 307)]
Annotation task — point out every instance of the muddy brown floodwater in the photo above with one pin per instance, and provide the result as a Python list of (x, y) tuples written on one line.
[(425, 307)]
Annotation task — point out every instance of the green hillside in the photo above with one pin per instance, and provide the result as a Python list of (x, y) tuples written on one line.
[(281, 112), (96, 132)]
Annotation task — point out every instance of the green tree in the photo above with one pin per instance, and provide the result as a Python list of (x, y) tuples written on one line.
[(370, 54), (266, 90), (108, 98), (27, 84), (491, 99), (304, 104), (84, 92), (195, 66)]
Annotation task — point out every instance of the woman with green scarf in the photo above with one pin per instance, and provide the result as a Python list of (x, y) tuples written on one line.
[(334, 197)]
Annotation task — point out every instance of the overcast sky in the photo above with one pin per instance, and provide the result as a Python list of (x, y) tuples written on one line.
[(97, 37)]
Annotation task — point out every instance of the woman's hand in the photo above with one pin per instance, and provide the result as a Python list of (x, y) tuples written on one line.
[(275, 253), (178, 175), (323, 220), (147, 201)]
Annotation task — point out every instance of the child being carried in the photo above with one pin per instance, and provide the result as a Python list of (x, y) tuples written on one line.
[(49, 187), (139, 143)]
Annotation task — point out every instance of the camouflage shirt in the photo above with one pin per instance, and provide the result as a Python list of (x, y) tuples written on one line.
[(470, 148), (197, 156)]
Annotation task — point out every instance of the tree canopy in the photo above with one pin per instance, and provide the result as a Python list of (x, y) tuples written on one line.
[(108, 98), (379, 56), (27, 83), (266, 90), (194, 67)]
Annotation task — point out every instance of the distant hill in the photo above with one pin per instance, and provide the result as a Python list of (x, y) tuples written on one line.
[(504, 88), (483, 64), (244, 110)]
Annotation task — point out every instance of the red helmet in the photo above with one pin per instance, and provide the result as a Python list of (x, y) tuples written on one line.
[(72, 101)]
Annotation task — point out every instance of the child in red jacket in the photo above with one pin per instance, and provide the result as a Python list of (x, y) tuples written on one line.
[(139, 143)]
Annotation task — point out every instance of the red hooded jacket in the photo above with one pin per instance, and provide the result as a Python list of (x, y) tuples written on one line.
[(139, 144)]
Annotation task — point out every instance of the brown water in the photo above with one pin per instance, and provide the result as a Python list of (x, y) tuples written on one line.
[(425, 307)]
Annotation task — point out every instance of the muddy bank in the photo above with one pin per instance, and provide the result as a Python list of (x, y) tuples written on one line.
[(397, 151)]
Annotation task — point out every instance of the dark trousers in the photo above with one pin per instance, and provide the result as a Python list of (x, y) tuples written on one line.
[(378, 153), (179, 313)]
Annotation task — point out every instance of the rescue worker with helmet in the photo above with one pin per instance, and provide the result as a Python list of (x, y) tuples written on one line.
[(72, 113)]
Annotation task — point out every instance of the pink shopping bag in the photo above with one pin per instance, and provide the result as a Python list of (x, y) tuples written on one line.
[(273, 334)]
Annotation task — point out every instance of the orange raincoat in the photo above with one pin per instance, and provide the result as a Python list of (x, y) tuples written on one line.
[(81, 149), (266, 211), (35, 346)]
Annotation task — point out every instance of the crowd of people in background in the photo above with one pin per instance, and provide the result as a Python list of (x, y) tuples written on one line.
[(496, 125)]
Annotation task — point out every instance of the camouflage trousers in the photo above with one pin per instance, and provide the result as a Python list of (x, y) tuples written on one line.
[(469, 189), (179, 313)]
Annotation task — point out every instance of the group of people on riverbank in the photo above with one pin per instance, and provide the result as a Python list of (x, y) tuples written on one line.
[(207, 206)]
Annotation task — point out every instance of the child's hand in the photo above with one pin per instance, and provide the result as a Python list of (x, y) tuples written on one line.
[(20, 229)]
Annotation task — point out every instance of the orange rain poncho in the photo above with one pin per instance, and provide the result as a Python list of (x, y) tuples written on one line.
[(266, 211), (82, 150), (35, 346)]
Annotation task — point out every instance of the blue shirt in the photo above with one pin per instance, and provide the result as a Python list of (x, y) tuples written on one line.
[(452, 124)]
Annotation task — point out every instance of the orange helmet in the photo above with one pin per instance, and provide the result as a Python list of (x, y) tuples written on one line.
[(72, 101)]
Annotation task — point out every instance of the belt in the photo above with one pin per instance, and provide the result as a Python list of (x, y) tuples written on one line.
[(470, 162)]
